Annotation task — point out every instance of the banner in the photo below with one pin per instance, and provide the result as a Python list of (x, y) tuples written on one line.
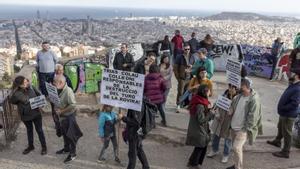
[(221, 53), (122, 89), (52, 94), (223, 103), (36, 102), (233, 72)]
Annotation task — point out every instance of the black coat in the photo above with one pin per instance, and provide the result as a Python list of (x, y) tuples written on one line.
[(21, 97), (120, 60), (140, 67)]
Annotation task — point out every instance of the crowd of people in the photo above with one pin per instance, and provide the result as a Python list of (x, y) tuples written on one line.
[(193, 68)]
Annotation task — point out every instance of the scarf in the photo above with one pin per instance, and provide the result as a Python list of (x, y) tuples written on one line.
[(195, 101)]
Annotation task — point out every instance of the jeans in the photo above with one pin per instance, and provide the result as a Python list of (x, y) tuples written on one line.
[(106, 144), (38, 128), (166, 97), (239, 138), (198, 155), (187, 94), (136, 149), (180, 89), (285, 127), (45, 77), (227, 145), (162, 112)]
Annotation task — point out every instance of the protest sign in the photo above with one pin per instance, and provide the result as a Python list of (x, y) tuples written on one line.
[(122, 89), (223, 103), (36, 102), (52, 94), (233, 72)]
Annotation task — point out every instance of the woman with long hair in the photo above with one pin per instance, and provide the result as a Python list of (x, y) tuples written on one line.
[(166, 71), (22, 91), (198, 134)]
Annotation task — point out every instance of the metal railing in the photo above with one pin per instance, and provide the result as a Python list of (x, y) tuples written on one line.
[(9, 118)]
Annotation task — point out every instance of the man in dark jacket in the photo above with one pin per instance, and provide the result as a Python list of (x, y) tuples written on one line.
[(194, 44), (288, 111), (133, 125), (144, 66), (277, 48), (182, 70), (123, 60), (295, 60)]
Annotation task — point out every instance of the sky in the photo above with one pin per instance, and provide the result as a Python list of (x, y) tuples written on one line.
[(272, 6)]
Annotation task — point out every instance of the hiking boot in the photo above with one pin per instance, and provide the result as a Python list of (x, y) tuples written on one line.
[(62, 151), (274, 143), (212, 154), (70, 158), (281, 154), (28, 150), (232, 167), (44, 151)]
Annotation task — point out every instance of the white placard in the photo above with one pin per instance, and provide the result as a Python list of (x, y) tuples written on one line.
[(223, 103), (233, 72), (36, 102), (52, 94), (122, 89)]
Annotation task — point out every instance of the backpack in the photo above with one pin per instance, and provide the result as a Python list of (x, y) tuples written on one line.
[(148, 120)]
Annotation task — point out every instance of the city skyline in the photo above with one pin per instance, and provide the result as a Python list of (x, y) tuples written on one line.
[(266, 6)]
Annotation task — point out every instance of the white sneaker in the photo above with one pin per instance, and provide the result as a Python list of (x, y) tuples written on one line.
[(225, 159), (212, 154)]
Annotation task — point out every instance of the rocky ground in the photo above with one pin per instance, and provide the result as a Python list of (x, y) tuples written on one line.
[(164, 146)]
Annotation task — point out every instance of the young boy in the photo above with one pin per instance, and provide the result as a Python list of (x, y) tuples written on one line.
[(107, 131)]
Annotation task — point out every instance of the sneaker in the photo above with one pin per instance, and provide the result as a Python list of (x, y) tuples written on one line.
[(225, 159), (117, 160), (177, 109), (70, 158), (44, 151), (274, 143), (212, 154), (28, 150), (281, 154), (62, 151), (101, 160)]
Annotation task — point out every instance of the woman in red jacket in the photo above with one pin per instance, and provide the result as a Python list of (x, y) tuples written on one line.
[(155, 87)]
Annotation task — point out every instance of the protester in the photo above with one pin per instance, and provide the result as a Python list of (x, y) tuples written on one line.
[(107, 131), (182, 71), (166, 71), (177, 41), (221, 127), (246, 121), (277, 48), (295, 61), (133, 122), (207, 43), (46, 60), (59, 70), (203, 61), (144, 66), (22, 91), (66, 111), (154, 89), (194, 44), (198, 134), (297, 41), (165, 48), (123, 60), (288, 110)]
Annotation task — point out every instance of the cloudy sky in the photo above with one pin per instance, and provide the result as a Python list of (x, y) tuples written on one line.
[(276, 6)]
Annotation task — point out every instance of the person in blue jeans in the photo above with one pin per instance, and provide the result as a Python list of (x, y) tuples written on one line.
[(221, 128), (107, 131)]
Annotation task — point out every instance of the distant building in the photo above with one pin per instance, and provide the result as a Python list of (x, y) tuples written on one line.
[(6, 64)]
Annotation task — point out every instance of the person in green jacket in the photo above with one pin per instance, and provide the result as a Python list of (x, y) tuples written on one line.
[(246, 122), (297, 41), (203, 61)]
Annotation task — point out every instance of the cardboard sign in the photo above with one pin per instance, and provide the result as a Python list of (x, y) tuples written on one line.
[(122, 89), (52, 94), (36, 102), (233, 72), (223, 103)]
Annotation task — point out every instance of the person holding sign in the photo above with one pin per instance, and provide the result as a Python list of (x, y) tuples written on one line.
[(198, 134), (66, 112), (107, 131), (22, 91), (154, 89), (221, 127), (246, 121)]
